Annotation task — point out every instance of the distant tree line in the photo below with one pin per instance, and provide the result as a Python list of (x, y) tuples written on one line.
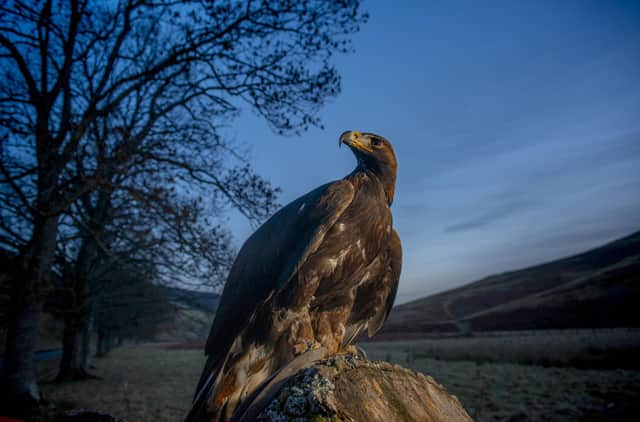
[(115, 172)]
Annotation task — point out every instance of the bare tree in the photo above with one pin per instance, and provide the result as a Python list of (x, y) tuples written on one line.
[(152, 185), (140, 223), (68, 65)]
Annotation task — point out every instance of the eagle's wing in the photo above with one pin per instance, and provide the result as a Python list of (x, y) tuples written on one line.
[(392, 279), (374, 300), (272, 255)]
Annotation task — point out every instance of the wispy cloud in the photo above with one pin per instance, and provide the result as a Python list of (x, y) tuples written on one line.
[(500, 208)]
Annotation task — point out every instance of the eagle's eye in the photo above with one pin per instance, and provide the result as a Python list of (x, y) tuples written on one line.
[(376, 142)]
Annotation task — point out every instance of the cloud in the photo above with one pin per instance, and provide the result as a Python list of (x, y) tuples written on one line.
[(501, 207)]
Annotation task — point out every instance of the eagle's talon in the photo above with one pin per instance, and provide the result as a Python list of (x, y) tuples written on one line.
[(362, 354), (349, 350)]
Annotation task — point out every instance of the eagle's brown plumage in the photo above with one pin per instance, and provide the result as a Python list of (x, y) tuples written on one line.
[(316, 274)]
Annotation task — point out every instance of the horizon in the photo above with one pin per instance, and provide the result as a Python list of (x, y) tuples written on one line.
[(528, 267)]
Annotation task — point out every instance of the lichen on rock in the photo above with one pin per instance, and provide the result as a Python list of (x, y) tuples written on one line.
[(308, 396)]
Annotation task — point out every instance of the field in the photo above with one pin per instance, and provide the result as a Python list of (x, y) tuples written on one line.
[(584, 348), (148, 382), (153, 382)]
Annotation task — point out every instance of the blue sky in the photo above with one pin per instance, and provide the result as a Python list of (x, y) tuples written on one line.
[(516, 125)]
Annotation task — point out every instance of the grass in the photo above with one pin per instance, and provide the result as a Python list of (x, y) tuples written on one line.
[(610, 348), (140, 383)]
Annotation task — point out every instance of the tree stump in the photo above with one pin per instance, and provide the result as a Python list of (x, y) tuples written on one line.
[(350, 388)]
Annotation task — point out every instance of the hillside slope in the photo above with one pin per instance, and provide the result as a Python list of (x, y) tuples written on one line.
[(595, 289), (202, 301), (192, 320)]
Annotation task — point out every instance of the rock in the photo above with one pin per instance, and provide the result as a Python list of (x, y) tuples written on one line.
[(350, 388)]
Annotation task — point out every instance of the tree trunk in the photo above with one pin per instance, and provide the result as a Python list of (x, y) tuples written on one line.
[(27, 295), (74, 363), (28, 289), (100, 342), (20, 374), (71, 362), (105, 342), (86, 344), (108, 341)]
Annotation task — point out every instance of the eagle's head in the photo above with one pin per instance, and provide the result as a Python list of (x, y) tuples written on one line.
[(374, 153)]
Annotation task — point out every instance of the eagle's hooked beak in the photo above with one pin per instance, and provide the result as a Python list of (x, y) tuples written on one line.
[(354, 139)]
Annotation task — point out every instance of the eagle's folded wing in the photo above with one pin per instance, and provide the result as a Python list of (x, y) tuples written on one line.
[(272, 255)]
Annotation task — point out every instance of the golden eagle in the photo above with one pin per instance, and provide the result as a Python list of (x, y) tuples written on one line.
[(316, 274)]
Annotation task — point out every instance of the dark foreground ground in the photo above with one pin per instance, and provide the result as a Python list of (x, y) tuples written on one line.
[(154, 382)]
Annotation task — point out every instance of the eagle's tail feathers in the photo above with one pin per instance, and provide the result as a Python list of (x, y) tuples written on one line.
[(352, 332)]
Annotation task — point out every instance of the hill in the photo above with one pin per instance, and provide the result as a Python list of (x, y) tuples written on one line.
[(201, 301), (194, 312), (599, 288)]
